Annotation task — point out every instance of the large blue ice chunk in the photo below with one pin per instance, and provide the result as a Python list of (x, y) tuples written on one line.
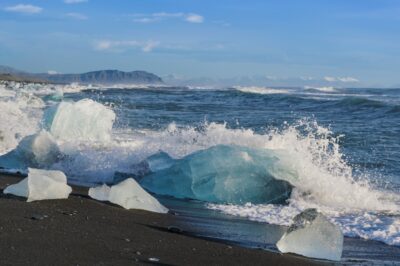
[(221, 174)]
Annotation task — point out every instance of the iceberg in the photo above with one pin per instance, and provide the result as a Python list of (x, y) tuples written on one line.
[(221, 174), (129, 195), (312, 235), (39, 151), (85, 120), (41, 185)]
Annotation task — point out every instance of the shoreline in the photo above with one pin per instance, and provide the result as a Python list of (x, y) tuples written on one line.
[(82, 231)]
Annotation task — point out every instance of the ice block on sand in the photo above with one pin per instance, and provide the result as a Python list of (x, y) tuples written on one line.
[(41, 185), (129, 195), (312, 235), (101, 193)]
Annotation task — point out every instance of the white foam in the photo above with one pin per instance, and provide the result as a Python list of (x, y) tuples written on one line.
[(261, 90), (322, 89)]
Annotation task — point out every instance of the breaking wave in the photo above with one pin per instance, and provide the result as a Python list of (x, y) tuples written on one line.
[(261, 90)]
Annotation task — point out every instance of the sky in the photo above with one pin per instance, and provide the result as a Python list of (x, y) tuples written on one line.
[(323, 42)]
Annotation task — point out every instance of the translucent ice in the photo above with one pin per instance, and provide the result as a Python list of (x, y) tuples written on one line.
[(101, 193), (41, 185), (39, 150), (312, 235), (85, 120), (128, 194), (224, 174)]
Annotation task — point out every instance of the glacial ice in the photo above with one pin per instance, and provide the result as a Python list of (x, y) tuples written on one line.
[(221, 174), (39, 150), (41, 185), (101, 193), (85, 120), (128, 194), (312, 235)]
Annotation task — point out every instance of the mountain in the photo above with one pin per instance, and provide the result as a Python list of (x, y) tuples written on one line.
[(10, 70), (103, 77)]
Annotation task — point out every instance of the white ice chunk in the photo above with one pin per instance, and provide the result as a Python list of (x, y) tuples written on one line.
[(101, 193), (312, 235), (130, 195), (85, 120), (41, 185)]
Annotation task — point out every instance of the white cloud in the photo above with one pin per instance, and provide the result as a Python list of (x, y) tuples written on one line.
[(156, 17), (119, 46), (22, 8), (341, 79), (348, 80), (330, 79), (52, 72), (78, 16), (74, 1), (194, 18)]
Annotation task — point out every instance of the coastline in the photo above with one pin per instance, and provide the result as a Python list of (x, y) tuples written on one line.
[(82, 231)]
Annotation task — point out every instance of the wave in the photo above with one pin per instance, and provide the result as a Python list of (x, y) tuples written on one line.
[(261, 90), (360, 102), (321, 89)]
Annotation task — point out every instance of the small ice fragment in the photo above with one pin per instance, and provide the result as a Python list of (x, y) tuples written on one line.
[(101, 193), (312, 235), (41, 185), (130, 195)]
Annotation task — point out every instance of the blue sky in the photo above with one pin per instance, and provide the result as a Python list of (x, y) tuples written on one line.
[(354, 42)]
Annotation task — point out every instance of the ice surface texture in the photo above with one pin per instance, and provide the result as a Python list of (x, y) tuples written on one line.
[(224, 174), (312, 235), (85, 120), (41, 185), (128, 194), (39, 150)]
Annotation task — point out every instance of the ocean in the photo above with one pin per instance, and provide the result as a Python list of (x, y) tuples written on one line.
[(341, 144)]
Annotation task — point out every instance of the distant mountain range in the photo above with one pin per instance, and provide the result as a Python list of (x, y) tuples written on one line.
[(101, 77)]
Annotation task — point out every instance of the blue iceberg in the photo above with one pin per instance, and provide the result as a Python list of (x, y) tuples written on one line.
[(220, 174)]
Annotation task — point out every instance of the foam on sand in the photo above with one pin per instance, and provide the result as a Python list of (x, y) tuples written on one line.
[(41, 185)]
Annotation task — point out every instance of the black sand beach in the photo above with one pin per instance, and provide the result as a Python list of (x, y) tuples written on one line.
[(81, 231)]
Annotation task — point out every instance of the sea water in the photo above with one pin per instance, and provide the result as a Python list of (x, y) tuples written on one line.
[(343, 145)]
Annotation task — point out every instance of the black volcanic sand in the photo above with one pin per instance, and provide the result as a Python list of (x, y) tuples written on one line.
[(82, 231)]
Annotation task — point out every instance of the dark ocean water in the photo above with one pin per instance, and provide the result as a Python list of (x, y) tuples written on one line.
[(368, 119)]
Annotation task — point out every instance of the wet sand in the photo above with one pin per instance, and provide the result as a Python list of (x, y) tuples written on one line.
[(81, 231)]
